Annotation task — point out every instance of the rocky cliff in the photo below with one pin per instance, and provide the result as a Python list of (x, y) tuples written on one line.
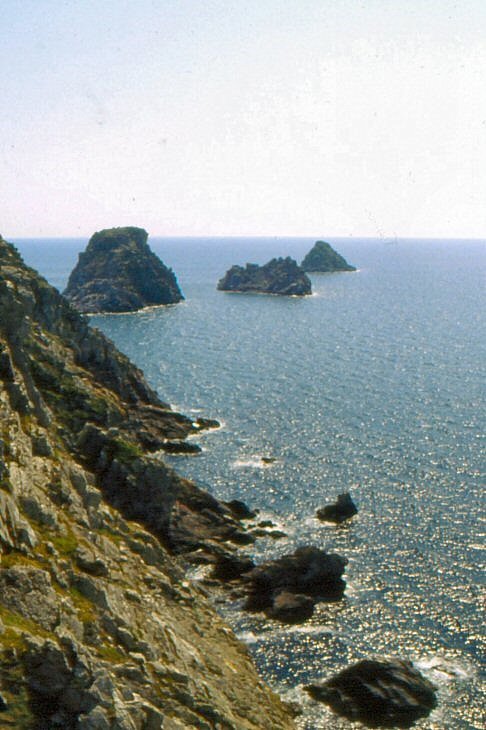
[(323, 258), (278, 276), (99, 628), (119, 272)]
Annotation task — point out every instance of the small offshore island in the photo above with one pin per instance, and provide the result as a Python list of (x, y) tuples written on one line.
[(278, 276), (322, 258), (119, 272)]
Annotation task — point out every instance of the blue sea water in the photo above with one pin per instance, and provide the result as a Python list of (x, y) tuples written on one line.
[(373, 385)]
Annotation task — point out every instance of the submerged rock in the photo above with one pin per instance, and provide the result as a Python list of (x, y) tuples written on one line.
[(343, 509), (323, 258), (379, 693), (278, 276), (119, 272)]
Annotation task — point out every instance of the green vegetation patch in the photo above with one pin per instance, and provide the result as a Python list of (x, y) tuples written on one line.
[(111, 654), (15, 624), (85, 610), (124, 451), (65, 543), (18, 713)]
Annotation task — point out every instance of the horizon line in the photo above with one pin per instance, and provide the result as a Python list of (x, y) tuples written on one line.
[(392, 237)]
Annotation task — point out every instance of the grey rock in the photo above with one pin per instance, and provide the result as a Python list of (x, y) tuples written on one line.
[(15, 532), (41, 445), (291, 608), (47, 668), (90, 589), (89, 562), (96, 719), (228, 566), (39, 511), (240, 510), (379, 693), (308, 571), (343, 509), (29, 592)]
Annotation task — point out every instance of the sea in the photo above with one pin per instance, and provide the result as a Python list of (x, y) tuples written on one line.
[(374, 385)]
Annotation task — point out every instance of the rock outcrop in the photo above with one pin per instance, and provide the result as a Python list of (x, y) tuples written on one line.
[(343, 509), (99, 628), (119, 272), (278, 276), (379, 693), (288, 588), (323, 258)]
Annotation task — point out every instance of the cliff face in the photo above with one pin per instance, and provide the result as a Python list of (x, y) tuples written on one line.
[(323, 258), (278, 276), (118, 272), (98, 626)]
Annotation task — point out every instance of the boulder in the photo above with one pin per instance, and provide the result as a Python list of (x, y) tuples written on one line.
[(229, 566), (89, 562), (201, 424), (323, 258), (343, 509), (119, 272), (240, 510), (278, 276), (379, 693), (291, 608), (308, 571)]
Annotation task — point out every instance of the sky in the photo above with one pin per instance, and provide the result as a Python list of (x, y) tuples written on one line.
[(243, 117)]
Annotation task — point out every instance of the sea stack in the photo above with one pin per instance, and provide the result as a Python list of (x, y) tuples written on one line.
[(278, 276), (323, 258), (119, 272)]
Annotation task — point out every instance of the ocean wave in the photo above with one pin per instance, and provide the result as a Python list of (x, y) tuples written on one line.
[(441, 670), (253, 462)]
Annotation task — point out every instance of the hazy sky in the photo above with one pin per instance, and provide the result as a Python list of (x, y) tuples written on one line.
[(243, 117)]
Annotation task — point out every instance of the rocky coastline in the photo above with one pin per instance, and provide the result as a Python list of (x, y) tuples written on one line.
[(99, 626)]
